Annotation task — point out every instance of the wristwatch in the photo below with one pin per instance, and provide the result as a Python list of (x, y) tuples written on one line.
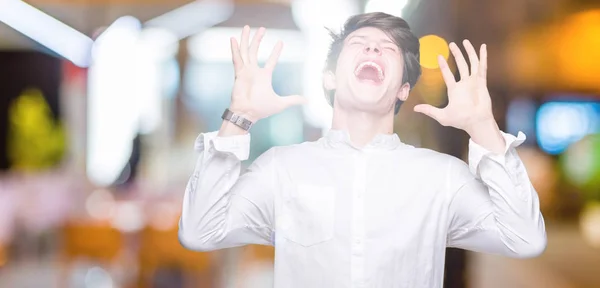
[(237, 120)]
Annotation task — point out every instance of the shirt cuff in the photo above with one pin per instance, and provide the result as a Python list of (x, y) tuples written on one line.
[(238, 145), (477, 152)]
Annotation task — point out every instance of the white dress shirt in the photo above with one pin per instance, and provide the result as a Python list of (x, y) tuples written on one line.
[(380, 216)]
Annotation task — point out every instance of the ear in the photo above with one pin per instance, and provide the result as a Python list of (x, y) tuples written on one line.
[(329, 80), (403, 92)]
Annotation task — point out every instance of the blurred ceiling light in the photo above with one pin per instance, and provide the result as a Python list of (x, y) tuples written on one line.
[(213, 44), (392, 7), (155, 48), (158, 43), (113, 116), (126, 89), (123, 32), (317, 15), (193, 17), (431, 47), (312, 17), (46, 30)]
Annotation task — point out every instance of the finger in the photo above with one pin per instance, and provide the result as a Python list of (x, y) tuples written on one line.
[(473, 59), (463, 69), (293, 100), (483, 63), (244, 44), (255, 44), (436, 113), (272, 61), (446, 72), (235, 55)]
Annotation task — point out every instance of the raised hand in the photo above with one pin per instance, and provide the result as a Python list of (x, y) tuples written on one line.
[(469, 101), (253, 95)]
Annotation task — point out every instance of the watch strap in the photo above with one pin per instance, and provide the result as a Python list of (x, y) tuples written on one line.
[(237, 119)]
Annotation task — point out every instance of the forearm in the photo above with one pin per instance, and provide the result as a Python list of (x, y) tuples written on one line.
[(497, 209), (207, 197), (487, 134), (222, 208), (515, 212), (229, 129)]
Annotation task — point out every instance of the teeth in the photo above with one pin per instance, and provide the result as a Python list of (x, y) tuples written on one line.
[(372, 64)]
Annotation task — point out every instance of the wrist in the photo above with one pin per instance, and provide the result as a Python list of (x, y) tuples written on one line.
[(230, 129), (487, 134), (234, 123), (243, 112), (480, 127)]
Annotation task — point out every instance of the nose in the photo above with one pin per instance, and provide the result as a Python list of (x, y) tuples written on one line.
[(372, 47)]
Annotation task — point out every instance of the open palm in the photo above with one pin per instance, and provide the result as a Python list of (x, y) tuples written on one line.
[(253, 95), (469, 101)]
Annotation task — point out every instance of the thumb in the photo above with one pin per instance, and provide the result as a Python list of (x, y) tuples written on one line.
[(433, 112), (293, 100)]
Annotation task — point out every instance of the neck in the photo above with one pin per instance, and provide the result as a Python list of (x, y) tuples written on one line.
[(362, 126)]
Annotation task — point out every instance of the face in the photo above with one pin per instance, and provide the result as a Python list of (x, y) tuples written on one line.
[(368, 74)]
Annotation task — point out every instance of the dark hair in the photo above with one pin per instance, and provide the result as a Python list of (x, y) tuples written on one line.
[(396, 28)]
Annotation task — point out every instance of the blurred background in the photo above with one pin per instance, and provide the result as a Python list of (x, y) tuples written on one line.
[(101, 101)]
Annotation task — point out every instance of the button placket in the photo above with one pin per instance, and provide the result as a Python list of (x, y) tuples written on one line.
[(357, 259)]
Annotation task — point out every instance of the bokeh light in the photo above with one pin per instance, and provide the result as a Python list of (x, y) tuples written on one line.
[(98, 159), (431, 47), (577, 50), (542, 171), (390, 7), (520, 116), (561, 123), (581, 165), (100, 204), (590, 224)]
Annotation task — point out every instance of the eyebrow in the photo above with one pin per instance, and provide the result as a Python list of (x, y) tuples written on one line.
[(364, 37)]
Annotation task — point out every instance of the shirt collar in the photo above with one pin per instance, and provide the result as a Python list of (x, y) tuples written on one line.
[(341, 138)]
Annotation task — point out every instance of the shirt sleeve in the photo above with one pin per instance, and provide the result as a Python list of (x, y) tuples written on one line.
[(222, 209), (494, 207)]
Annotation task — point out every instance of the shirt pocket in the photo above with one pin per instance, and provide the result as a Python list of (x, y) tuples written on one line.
[(308, 214)]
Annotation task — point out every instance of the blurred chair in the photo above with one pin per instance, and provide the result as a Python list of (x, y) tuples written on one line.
[(95, 241), (160, 249)]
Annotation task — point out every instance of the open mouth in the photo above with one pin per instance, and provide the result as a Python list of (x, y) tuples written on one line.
[(370, 72)]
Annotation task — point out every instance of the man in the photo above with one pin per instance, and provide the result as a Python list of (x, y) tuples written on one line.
[(359, 208)]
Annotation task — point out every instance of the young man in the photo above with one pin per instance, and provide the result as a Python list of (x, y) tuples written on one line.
[(359, 208)]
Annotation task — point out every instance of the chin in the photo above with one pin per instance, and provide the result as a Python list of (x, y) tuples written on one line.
[(367, 92), (368, 102)]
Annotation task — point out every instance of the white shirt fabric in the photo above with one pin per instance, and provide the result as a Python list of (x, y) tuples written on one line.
[(380, 216)]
